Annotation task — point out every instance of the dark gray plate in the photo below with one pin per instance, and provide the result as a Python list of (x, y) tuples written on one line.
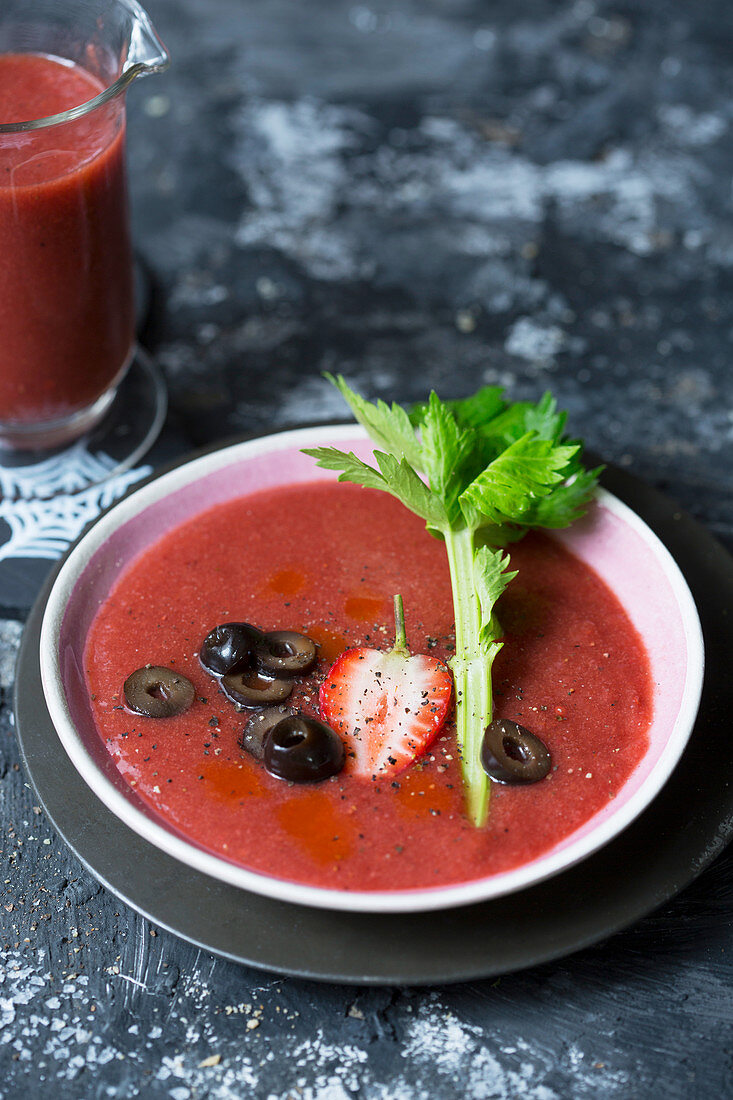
[(661, 852)]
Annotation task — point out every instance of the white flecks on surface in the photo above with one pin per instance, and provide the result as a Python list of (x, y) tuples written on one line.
[(195, 292), (306, 179), (157, 106), (425, 1049), (313, 399), (291, 158), (10, 635), (690, 128), (532, 341), (442, 1044), (456, 1051)]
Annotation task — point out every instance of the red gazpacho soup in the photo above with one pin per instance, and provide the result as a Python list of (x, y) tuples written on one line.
[(66, 293), (325, 559)]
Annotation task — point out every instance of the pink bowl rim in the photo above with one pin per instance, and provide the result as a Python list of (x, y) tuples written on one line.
[(407, 901)]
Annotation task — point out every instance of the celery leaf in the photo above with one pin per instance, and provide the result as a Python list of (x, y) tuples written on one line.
[(389, 427), (507, 488)]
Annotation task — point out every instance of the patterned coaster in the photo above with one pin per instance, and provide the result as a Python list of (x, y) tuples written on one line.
[(44, 507)]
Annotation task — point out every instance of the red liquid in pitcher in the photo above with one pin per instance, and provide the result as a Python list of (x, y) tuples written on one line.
[(66, 294)]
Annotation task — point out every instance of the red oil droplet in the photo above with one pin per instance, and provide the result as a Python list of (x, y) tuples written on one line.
[(366, 608), (425, 792), (286, 582), (316, 826), (233, 780), (331, 643)]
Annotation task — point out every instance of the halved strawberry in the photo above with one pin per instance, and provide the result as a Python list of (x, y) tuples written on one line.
[(388, 706)]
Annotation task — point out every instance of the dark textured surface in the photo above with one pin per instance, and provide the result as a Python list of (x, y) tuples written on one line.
[(441, 194)]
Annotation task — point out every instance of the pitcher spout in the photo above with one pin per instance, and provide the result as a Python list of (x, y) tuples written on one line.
[(113, 40), (146, 52)]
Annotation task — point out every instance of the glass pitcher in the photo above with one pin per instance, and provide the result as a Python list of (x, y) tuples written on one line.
[(66, 278)]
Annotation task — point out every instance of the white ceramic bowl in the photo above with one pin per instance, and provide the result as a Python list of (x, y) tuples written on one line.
[(611, 538)]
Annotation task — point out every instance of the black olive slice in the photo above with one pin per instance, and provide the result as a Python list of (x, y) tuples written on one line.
[(228, 648), (251, 688), (158, 692), (285, 653), (511, 754), (260, 724), (303, 750)]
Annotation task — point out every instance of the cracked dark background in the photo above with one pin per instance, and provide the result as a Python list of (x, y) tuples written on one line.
[(443, 193)]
